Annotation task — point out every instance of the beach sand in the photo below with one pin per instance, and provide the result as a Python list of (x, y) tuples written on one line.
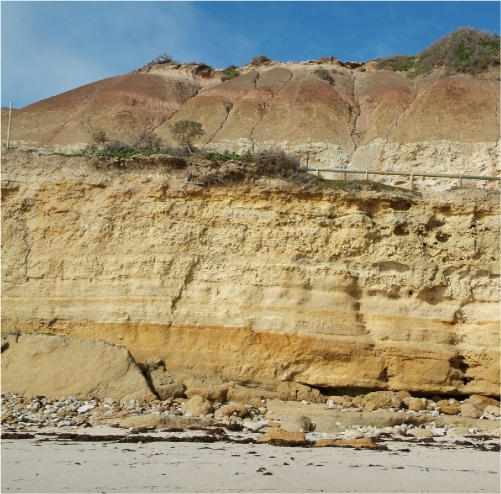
[(52, 464)]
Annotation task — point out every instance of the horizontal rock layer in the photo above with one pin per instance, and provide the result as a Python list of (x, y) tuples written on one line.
[(258, 283)]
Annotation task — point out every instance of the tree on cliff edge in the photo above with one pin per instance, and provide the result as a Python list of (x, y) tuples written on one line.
[(185, 131)]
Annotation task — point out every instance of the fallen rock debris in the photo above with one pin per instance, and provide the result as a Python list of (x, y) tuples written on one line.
[(180, 420)]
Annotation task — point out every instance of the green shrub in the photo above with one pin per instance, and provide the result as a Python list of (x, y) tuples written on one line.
[(260, 60), (467, 50), (230, 72), (397, 63), (324, 74), (224, 156)]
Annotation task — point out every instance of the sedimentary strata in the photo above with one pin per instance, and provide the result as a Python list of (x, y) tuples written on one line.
[(265, 284)]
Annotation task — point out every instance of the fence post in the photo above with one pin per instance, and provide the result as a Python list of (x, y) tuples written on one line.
[(366, 174), (412, 181), (460, 180), (8, 128)]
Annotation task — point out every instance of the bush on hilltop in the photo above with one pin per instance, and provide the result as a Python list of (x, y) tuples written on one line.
[(467, 50)]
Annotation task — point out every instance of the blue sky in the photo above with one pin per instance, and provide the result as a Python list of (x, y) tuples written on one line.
[(52, 47)]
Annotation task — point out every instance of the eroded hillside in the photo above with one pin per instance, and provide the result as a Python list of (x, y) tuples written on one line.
[(338, 114)]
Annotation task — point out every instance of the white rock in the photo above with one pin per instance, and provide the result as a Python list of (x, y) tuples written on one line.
[(85, 408), (438, 431), (254, 426), (492, 413), (353, 434)]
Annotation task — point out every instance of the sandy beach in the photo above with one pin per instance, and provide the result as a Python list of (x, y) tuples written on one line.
[(48, 462)]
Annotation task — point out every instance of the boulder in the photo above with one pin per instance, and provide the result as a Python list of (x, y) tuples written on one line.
[(55, 366), (254, 426), (482, 401), (297, 424), (451, 402), (197, 406), (164, 384), (469, 411), (403, 394), (450, 410), (492, 413), (214, 394), (415, 404), (338, 400), (290, 391), (232, 409), (381, 399)]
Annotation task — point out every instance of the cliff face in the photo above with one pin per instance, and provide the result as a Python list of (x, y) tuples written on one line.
[(363, 118), (258, 283)]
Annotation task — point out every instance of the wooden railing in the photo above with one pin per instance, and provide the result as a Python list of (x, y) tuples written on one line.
[(459, 176)]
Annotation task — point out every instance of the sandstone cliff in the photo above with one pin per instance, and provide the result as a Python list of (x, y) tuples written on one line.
[(257, 283)]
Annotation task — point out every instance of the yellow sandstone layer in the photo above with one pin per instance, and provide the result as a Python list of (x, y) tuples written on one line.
[(256, 283)]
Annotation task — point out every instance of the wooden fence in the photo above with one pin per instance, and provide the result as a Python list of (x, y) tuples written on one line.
[(411, 175)]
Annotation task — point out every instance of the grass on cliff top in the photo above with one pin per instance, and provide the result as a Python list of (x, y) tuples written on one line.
[(271, 163), (467, 50)]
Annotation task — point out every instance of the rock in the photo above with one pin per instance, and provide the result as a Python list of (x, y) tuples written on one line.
[(85, 408), (346, 443), (164, 384), (337, 400), (469, 411), (357, 402), (216, 395), (448, 403), (403, 394), (198, 406), (233, 408), (291, 391), (420, 432), (381, 399), (254, 426), (492, 412), (55, 366), (415, 404), (283, 437), (450, 410), (370, 406), (481, 402), (353, 434), (297, 424)]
